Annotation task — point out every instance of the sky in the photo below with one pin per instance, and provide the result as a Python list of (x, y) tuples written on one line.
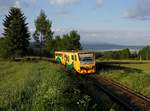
[(125, 22)]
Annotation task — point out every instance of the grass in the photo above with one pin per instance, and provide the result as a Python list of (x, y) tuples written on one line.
[(26, 86), (133, 74), (40, 86), (44, 86)]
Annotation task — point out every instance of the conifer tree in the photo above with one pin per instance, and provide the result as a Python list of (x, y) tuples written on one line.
[(16, 33)]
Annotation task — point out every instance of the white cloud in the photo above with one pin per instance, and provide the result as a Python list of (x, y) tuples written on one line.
[(116, 37), (99, 3), (60, 30), (17, 4), (122, 37), (62, 2), (140, 11), (6, 4)]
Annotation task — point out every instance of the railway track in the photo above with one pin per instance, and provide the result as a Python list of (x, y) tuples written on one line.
[(121, 94)]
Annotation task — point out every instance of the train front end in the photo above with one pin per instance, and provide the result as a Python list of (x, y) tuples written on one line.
[(87, 63)]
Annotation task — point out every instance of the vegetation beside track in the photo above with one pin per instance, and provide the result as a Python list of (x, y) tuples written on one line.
[(36, 85), (26, 86), (39, 86), (133, 74)]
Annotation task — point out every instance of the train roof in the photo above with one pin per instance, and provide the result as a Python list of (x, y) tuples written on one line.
[(75, 51)]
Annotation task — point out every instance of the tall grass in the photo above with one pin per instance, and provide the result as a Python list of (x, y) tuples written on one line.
[(30, 86), (40, 86), (43, 86)]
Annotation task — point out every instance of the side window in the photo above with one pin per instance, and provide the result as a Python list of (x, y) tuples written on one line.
[(68, 57), (59, 55), (75, 57), (65, 56), (72, 57)]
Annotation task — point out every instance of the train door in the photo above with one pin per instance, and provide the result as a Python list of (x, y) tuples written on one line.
[(76, 62), (69, 65), (63, 58)]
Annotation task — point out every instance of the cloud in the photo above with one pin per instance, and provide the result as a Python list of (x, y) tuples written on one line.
[(60, 30), (141, 11), (123, 37), (99, 3), (17, 4), (6, 4), (62, 2)]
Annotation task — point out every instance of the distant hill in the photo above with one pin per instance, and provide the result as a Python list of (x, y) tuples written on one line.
[(107, 46), (101, 46)]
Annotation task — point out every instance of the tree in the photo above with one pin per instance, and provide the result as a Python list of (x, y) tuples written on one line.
[(125, 53), (66, 42), (144, 53), (75, 40), (58, 43), (71, 41), (43, 34), (2, 50), (16, 33)]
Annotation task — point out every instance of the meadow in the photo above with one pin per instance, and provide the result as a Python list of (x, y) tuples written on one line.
[(131, 73), (25, 85), (44, 86), (38, 86)]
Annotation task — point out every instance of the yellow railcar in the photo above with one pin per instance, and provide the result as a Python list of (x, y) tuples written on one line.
[(82, 62)]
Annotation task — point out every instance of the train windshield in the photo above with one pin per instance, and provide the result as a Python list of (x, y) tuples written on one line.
[(86, 58)]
